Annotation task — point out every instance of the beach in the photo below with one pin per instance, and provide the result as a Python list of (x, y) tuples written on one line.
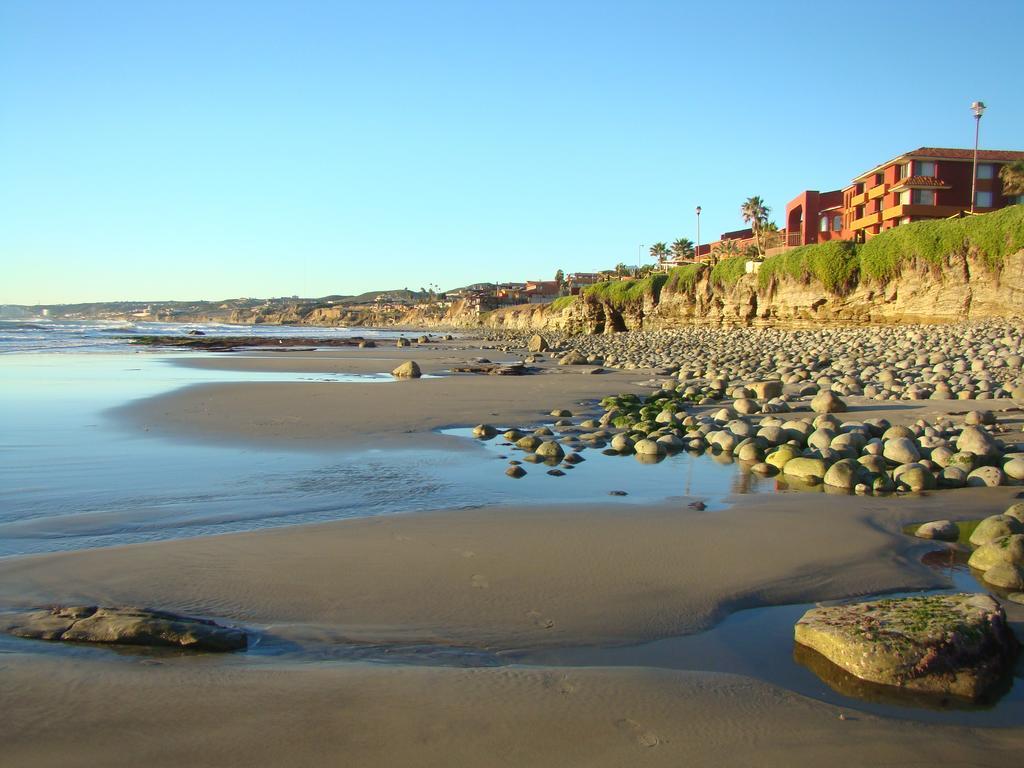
[(489, 586)]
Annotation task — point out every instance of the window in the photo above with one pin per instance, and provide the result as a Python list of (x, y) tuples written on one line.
[(986, 171), (1015, 200), (837, 223), (925, 168), (878, 179), (923, 197), (824, 224), (905, 197), (983, 200)]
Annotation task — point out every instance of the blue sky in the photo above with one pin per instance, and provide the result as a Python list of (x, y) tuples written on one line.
[(186, 150)]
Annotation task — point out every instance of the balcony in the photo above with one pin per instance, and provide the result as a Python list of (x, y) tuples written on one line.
[(858, 199), (867, 220), (876, 192), (915, 211)]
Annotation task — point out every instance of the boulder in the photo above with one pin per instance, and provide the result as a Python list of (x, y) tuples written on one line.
[(550, 450), (528, 443), (977, 441), (995, 527), (1006, 576), (765, 390), (940, 530), (515, 472), (484, 431), (1016, 511), (537, 343), (127, 626), (1014, 470), (407, 370), (827, 402), (944, 644), (991, 477), (573, 358), (1008, 549), (901, 450), (649, 448), (845, 474), (803, 468), (782, 456)]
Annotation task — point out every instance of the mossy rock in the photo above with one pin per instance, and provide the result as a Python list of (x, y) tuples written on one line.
[(944, 644)]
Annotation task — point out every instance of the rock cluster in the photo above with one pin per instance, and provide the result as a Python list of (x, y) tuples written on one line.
[(999, 556)]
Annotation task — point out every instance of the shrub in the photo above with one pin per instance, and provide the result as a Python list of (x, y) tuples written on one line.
[(624, 293), (683, 279), (561, 303), (834, 264), (728, 271)]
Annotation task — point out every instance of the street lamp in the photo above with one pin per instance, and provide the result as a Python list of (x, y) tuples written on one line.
[(978, 108), (639, 251), (696, 253)]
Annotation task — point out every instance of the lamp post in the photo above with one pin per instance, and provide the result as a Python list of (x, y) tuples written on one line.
[(639, 251), (978, 108), (696, 253)]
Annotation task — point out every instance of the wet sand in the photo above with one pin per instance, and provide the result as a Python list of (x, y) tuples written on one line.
[(495, 578)]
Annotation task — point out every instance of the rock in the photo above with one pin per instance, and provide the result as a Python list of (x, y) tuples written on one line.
[(944, 644), (1005, 575), (407, 370), (561, 413), (953, 477), (827, 402), (537, 343), (914, 478), (991, 477), (550, 450), (995, 527), (941, 530), (843, 474), (1014, 469), (367, 344), (515, 471), (556, 473), (746, 406), (649, 448), (1009, 549), (765, 390), (423, 340), (127, 626), (573, 358), (402, 343), (977, 441), (901, 450), (804, 468), (622, 443), (781, 456), (1016, 511), (980, 417), (528, 443), (484, 431)]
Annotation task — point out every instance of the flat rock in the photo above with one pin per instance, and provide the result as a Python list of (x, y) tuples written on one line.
[(126, 626), (944, 644)]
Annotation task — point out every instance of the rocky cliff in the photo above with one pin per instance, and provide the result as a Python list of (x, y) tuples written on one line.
[(964, 287)]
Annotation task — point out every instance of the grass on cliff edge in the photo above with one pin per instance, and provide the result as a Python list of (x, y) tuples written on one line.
[(623, 293), (839, 265), (561, 303)]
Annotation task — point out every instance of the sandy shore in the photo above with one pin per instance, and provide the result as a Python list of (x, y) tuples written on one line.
[(495, 578)]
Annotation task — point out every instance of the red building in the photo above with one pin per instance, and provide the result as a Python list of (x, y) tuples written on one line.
[(814, 217), (927, 183)]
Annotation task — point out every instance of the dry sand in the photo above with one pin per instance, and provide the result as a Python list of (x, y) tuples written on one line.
[(498, 578)]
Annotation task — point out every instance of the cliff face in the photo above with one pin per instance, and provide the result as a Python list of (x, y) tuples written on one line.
[(963, 289)]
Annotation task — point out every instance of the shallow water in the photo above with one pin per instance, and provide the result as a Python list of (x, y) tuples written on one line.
[(70, 477)]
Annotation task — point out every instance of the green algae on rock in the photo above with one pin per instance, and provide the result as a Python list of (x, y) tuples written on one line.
[(944, 644)]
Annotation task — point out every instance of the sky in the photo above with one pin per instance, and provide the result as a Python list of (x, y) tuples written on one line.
[(175, 149)]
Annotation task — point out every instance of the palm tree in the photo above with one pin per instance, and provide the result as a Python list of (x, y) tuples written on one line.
[(723, 250), (755, 213), (1012, 176), (682, 249), (659, 252)]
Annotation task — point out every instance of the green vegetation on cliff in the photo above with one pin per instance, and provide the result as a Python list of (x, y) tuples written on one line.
[(561, 303), (994, 236), (840, 265), (683, 279), (730, 270), (833, 264), (625, 293)]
